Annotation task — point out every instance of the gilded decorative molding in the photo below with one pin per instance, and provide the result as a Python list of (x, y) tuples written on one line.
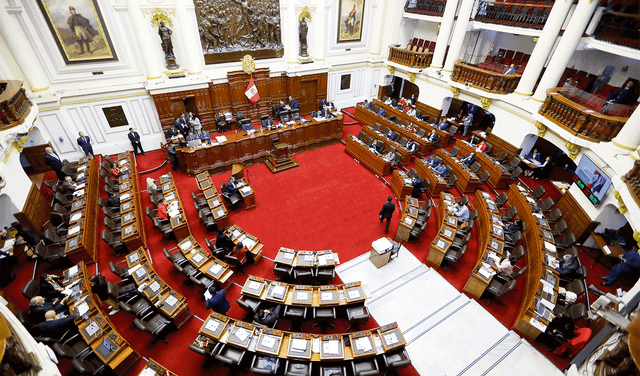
[(542, 129), (412, 76), (622, 208), (621, 145), (248, 64), (636, 236), (391, 69), (306, 13), (573, 149), (486, 102), (158, 15), (455, 91)]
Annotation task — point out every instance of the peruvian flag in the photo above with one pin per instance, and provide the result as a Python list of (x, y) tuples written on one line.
[(252, 92)]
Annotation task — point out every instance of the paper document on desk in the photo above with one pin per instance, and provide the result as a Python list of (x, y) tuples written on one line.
[(74, 230), (302, 296), (75, 217), (330, 347), (407, 181), (268, 342), (78, 193), (288, 256), (249, 243), (215, 203), (299, 345), (408, 220), (80, 186), (245, 190), (83, 308), (212, 325), (197, 258), (186, 245), (326, 296), (390, 339), (148, 372), (173, 213), (547, 304), (278, 292), (606, 250), (221, 139), (364, 344), (242, 334), (553, 262), (171, 300), (537, 324), (550, 247), (124, 196), (215, 269), (253, 285), (219, 213), (354, 294), (235, 234), (546, 286), (92, 329)]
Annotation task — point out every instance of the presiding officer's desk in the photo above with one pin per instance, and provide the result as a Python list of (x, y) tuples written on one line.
[(238, 235), (162, 296), (491, 234), (179, 222), (206, 263), (94, 325), (361, 152), (448, 225), (540, 246), (437, 183), (215, 202), (303, 295), (445, 136), (405, 155), (467, 180), (499, 176), (240, 147), (408, 218), (132, 219), (295, 346), (83, 222)]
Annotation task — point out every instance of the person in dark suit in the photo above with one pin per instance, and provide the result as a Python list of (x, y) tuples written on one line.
[(173, 157), (231, 186), (38, 306), (387, 212), (378, 146), (534, 155), (411, 146), (267, 317), (268, 123), (441, 169), (326, 113), (630, 262), (293, 103), (184, 120), (433, 138), (52, 159), (172, 132), (68, 186), (223, 241), (178, 125), (134, 137), (391, 135), (55, 325), (113, 201), (417, 186), (247, 127), (282, 107), (443, 125), (544, 170), (469, 159), (413, 99), (28, 236), (100, 287), (191, 137), (382, 112), (85, 144), (321, 104), (216, 300), (205, 137), (50, 287)]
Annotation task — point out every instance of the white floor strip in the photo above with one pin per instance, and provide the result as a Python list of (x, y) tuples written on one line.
[(446, 332)]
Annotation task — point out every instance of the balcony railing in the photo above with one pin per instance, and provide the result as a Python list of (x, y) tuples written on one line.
[(619, 28), (518, 14), (632, 179), (564, 109), (428, 7), (493, 82), (409, 58), (14, 104)]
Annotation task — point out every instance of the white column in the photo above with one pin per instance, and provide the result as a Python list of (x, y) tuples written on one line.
[(144, 40), (292, 33), (319, 29), (22, 51), (629, 136), (459, 33), (566, 47), (190, 43), (446, 26), (376, 35), (543, 47)]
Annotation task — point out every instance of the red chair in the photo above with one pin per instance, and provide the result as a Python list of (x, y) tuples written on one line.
[(525, 58), (517, 57), (573, 346), (414, 42)]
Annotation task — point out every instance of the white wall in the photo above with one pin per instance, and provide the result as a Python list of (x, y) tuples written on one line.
[(364, 84), (594, 61)]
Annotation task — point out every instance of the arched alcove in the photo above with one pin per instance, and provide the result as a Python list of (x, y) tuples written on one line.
[(8, 210), (398, 87), (564, 166)]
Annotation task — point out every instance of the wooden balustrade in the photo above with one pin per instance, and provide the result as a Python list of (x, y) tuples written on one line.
[(492, 82), (632, 180), (580, 120), (14, 104), (411, 59)]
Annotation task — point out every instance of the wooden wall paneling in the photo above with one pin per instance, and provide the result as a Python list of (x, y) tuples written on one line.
[(500, 146), (215, 154), (35, 212), (262, 146), (164, 108), (287, 138), (298, 138), (230, 152), (577, 219), (219, 94), (244, 150)]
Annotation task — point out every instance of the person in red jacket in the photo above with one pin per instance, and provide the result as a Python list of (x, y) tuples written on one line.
[(162, 209)]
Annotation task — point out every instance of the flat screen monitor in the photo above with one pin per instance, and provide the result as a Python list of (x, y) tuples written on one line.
[(592, 180)]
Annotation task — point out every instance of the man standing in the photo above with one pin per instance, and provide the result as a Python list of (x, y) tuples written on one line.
[(173, 157), (417, 186), (293, 103), (387, 212), (85, 144), (81, 29), (134, 137), (217, 300), (468, 121), (54, 161)]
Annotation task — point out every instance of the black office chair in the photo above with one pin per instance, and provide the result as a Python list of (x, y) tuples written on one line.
[(395, 360), (559, 228), (232, 356), (452, 181), (483, 177), (538, 192), (218, 252), (264, 365), (357, 315), (121, 272), (298, 368), (547, 204), (112, 226), (454, 151), (250, 306), (221, 124), (324, 316), (282, 272), (71, 348), (501, 200), (365, 367), (498, 288), (296, 315), (114, 242), (89, 364), (137, 305), (295, 115), (155, 324), (554, 216), (453, 255), (232, 198), (509, 215), (324, 276)]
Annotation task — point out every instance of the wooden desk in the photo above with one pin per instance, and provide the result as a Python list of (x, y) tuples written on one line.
[(441, 244), (214, 200), (162, 296), (95, 326), (467, 180), (370, 118), (499, 176), (132, 218), (206, 263), (613, 250), (437, 183), (405, 155), (247, 193), (303, 295), (83, 230), (179, 223), (361, 152), (239, 148), (408, 218), (306, 259), (399, 184), (238, 235), (289, 345), (157, 369)]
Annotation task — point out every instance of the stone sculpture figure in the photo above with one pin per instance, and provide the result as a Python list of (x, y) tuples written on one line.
[(303, 37), (165, 35)]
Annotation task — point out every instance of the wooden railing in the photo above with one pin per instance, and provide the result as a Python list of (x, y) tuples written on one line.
[(429, 7), (14, 104), (411, 59), (514, 13), (619, 28), (580, 120), (483, 79), (632, 180)]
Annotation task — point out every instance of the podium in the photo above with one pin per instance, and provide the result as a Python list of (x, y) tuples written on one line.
[(280, 158), (380, 256)]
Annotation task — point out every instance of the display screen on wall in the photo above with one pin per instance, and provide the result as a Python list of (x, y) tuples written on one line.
[(592, 180)]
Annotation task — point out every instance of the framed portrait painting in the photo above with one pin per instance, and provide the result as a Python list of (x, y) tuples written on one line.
[(350, 20), (78, 30)]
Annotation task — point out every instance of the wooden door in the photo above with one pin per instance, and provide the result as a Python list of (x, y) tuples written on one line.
[(35, 212), (307, 98), (178, 107), (35, 156)]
